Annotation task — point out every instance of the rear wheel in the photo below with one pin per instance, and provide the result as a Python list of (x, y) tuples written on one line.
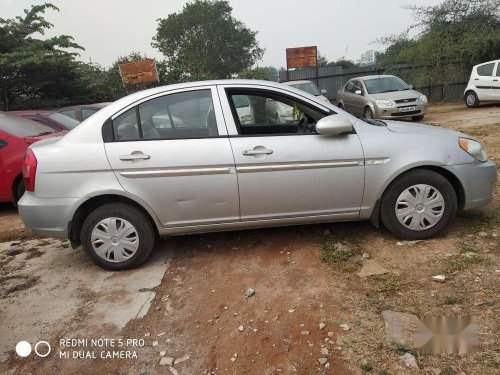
[(471, 99), (117, 236), (18, 190), (418, 205)]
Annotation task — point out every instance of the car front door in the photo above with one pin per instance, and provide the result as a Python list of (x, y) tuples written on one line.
[(496, 84), (348, 97), (172, 152), (358, 100), (287, 171)]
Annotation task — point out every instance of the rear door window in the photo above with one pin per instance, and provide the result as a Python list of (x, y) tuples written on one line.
[(486, 70), (182, 115), (21, 127)]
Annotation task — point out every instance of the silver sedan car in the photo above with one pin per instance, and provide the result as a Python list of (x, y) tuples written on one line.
[(119, 180), (382, 97)]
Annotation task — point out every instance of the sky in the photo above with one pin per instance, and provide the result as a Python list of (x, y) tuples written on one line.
[(340, 28)]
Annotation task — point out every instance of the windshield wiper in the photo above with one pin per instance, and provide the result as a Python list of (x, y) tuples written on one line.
[(44, 133), (381, 92)]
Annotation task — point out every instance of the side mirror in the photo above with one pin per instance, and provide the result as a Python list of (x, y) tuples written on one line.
[(411, 87), (323, 92), (358, 92), (334, 125)]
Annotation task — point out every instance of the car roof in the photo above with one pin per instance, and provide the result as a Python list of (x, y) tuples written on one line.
[(290, 83), (12, 119), (486, 62), (365, 78)]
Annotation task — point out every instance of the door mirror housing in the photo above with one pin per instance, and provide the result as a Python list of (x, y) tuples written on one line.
[(334, 125), (411, 87), (358, 92), (323, 92)]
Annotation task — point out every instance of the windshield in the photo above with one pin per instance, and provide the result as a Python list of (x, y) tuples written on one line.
[(385, 84), (22, 127), (64, 120), (308, 87), (241, 101)]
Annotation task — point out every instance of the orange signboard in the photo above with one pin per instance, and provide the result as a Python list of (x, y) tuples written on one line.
[(138, 72), (301, 57)]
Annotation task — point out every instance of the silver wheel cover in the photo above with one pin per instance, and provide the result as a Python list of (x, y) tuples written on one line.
[(471, 99), (420, 207), (115, 240)]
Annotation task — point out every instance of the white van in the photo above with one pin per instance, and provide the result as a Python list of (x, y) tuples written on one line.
[(484, 84)]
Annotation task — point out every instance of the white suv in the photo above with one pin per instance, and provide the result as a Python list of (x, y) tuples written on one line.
[(484, 84)]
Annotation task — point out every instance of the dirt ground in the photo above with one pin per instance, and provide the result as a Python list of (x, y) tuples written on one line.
[(189, 301)]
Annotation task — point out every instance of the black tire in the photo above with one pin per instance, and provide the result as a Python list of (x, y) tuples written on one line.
[(471, 99), (407, 180), (417, 118), (340, 105), (368, 113), (18, 190), (134, 216)]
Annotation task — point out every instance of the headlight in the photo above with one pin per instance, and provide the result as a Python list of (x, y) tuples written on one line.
[(423, 99), (473, 148), (385, 103)]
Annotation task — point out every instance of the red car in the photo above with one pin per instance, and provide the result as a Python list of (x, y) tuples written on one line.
[(16, 134), (54, 119)]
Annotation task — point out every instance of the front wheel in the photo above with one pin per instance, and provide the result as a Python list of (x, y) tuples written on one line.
[(417, 118), (368, 113), (418, 205), (117, 236)]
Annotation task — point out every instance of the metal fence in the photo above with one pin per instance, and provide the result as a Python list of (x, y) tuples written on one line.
[(453, 78)]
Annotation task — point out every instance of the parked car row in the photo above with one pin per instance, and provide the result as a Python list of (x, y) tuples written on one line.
[(389, 97), (20, 129), (229, 166)]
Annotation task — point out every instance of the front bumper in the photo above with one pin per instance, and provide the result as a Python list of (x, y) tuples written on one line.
[(478, 180), (400, 112), (47, 217)]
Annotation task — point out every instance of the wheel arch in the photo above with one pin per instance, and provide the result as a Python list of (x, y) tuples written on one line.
[(455, 182), (91, 203)]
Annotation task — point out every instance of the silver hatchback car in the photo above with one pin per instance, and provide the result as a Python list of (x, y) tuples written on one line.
[(119, 180)]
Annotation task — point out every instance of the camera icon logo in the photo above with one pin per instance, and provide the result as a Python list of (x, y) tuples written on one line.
[(42, 349)]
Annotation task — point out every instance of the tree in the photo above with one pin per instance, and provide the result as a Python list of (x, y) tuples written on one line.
[(451, 37), (268, 73), (321, 60), (204, 41), (35, 69)]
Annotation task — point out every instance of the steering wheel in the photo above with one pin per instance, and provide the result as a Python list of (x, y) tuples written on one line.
[(304, 125)]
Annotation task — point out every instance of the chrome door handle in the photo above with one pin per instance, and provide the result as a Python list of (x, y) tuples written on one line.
[(259, 151), (134, 156)]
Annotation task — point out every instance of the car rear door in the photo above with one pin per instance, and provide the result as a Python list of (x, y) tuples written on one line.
[(172, 152), (289, 172), (484, 81)]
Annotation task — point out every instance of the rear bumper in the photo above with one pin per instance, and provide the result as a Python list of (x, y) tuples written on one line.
[(478, 180), (47, 216)]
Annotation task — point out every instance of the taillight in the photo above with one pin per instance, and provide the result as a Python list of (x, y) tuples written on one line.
[(29, 170)]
